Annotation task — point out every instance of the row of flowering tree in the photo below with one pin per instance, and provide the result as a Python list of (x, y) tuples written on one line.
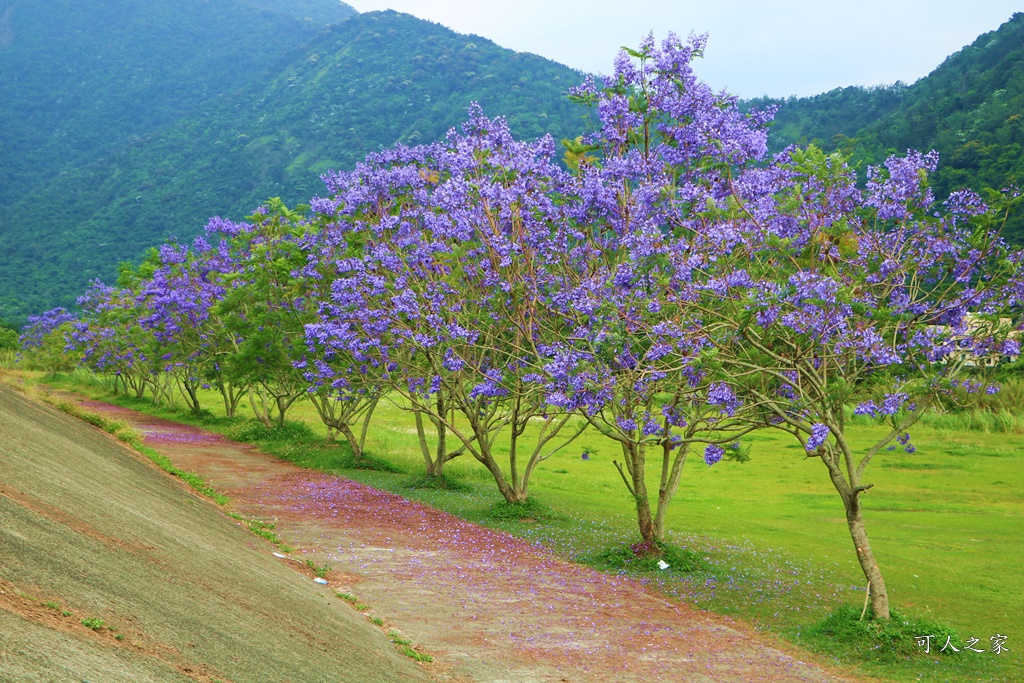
[(667, 285)]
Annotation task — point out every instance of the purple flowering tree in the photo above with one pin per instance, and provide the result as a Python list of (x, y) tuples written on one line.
[(353, 335), (629, 359), (822, 295), (344, 390), (110, 339), (187, 295), (179, 298), (449, 245)]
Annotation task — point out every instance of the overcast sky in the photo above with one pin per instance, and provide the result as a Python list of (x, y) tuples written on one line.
[(755, 47)]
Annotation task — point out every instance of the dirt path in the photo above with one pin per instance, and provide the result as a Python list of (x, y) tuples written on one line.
[(488, 606)]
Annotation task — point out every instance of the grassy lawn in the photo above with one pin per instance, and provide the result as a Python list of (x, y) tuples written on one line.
[(946, 525)]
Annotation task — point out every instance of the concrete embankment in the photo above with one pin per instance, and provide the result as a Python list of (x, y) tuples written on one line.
[(169, 587)]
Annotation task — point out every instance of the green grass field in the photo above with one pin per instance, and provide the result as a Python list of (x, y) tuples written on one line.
[(946, 525)]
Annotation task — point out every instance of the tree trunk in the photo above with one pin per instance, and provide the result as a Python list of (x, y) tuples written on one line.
[(435, 462), (231, 407), (189, 393), (879, 596), (281, 409), (486, 458), (518, 483), (671, 473), (139, 387), (224, 394), (508, 492), (366, 422), (850, 492), (259, 411), (231, 395), (635, 456), (648, 530), (353, 442), (434, 466)]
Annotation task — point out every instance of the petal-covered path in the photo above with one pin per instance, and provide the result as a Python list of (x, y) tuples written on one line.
[(487, 606)]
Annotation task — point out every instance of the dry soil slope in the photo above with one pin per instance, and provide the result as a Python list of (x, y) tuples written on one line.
[(92, 526)]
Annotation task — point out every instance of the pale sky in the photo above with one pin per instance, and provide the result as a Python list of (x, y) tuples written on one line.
[(778, 48)]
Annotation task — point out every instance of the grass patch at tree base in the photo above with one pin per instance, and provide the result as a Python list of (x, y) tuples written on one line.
[(254, 431), (641, 557), (369, 462), (441, 482), (530, 510), (879, 641)]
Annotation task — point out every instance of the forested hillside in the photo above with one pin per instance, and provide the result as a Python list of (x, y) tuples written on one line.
[(80, 79), (175, 118), (970, 109)]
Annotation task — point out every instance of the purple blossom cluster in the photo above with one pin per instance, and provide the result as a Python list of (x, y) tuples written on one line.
[(713, 454), (41, 326), (818, 437)]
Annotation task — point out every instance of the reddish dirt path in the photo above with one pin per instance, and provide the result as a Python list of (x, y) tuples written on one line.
[(488, 606)]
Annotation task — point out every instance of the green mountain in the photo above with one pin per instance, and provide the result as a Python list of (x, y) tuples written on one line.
[(125, 167), (970, 109), (81, 79)]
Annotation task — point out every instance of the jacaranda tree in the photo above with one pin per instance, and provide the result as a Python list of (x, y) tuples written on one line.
[(826, 295), (46, 340), (110, 338), (630, 359), (179, 297), (444, 289)]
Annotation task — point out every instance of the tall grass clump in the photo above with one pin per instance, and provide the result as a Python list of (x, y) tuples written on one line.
[(1002, 422), (8, 359), (845, 631), (1001, 412)]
